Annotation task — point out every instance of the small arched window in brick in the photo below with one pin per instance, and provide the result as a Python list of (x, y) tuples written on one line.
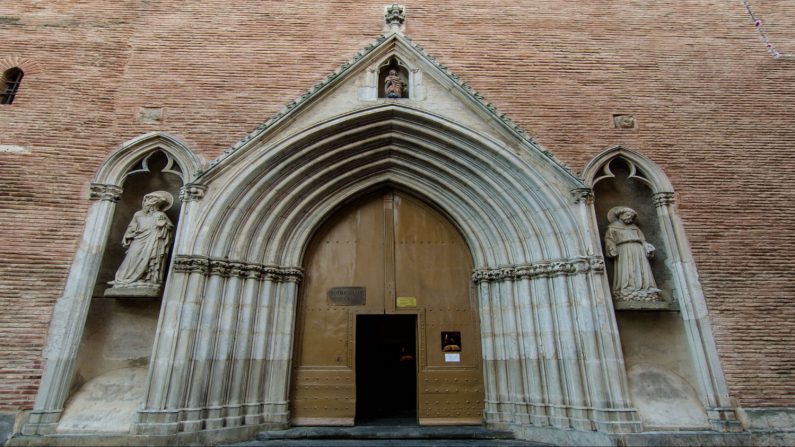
[(10, 84)]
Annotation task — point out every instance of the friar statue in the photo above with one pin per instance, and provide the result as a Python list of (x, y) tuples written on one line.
[(632, 276), (393, 85), (148, 240)]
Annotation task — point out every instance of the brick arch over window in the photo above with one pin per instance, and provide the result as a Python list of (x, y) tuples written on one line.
[(69, 315), (687, 289), (9, 84)]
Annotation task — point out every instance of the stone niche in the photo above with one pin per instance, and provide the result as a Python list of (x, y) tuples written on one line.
[(110, 378), (662, 379), (628, 188), (394, 68)]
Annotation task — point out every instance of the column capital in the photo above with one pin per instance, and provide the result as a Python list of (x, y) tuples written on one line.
[(192, 192), (582, 195), (662, 199), (99, 191)]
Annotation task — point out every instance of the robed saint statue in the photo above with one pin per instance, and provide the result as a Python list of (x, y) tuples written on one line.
[(625, 243), (148, 240)]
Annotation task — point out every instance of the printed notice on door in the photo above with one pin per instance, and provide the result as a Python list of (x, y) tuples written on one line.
[(452, 357)]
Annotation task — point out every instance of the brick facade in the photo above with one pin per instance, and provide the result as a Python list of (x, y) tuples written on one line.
[(713, 108)]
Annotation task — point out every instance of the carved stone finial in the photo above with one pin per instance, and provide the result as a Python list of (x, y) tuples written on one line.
[(111, 193), (191, 192), (662, 199), (395, 17)]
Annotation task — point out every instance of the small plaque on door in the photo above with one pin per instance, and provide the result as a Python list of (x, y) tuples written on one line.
[(346, 296), (406, 301)]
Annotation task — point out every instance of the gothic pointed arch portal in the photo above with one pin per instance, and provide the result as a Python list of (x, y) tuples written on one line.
[(549, 344)]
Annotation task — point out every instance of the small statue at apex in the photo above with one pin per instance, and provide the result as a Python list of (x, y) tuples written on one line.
[(393, 85)]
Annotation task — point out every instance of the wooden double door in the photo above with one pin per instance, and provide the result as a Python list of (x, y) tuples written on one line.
[(387, 323)]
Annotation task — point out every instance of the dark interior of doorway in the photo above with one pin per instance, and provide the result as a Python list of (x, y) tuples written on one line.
[(386, 370)]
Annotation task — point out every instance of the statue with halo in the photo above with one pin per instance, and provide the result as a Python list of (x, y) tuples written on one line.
[(148, 240), (633, 280)]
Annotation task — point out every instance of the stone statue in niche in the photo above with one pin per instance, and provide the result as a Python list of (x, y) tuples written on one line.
[(393, 85), (148, 240), (632, 276)]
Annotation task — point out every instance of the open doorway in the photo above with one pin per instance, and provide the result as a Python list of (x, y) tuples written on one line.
[(386, 369)]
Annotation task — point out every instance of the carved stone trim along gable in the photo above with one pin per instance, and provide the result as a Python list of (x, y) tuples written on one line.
[(110, 193), (192, 192), (539, 270), (663, 199), (582, 195), (227, 268)]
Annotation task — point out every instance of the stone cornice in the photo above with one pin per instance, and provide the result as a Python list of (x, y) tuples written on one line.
[(539, 270), (111, 193), (230, 268)]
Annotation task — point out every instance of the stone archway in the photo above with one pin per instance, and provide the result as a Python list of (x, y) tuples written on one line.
[(549, 340)]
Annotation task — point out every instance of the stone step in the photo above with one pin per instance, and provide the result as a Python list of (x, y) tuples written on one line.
[(388, 443), (386, 436), (387, 432)]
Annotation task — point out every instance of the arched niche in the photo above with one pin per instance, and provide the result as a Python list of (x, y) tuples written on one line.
[(624, 184), (391, 69), (674, 373), (117, 337)]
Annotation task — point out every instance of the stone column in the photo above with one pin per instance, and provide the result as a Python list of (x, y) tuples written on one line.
[(714, 391), (280, 351), (69, 315), (241, 356), (262, 326), (186, 278), (222, 363)]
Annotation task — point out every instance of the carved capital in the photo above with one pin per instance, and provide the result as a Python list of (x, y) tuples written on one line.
[(240, 269), (295, 275), (539, 270), (582, 195), (191, 264), (191, 192), (111, 193), (219, 267), (663, 199)]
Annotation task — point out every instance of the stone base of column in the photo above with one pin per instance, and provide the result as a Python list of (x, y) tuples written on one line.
[(724, 420), (42, 422)]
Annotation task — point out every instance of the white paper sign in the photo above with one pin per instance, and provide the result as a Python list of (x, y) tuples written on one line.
[(452, 357)]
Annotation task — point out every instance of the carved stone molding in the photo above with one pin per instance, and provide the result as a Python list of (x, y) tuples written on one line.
[(111, 193), (540, 270), (663, 199), (228, 268), (191, 192), (584, 195)]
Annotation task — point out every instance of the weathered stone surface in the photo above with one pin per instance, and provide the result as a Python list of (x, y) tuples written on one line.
[(106, 403)]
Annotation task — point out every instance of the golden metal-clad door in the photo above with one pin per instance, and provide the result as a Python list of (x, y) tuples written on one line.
[(387, 254)]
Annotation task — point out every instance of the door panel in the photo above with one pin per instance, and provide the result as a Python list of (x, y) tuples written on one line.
[(432, 264), (401, 251)]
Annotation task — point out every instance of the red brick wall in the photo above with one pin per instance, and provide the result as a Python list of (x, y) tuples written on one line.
[(713, 109)]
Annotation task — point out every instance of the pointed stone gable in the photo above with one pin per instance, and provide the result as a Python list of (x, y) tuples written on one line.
[(353, 86)]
